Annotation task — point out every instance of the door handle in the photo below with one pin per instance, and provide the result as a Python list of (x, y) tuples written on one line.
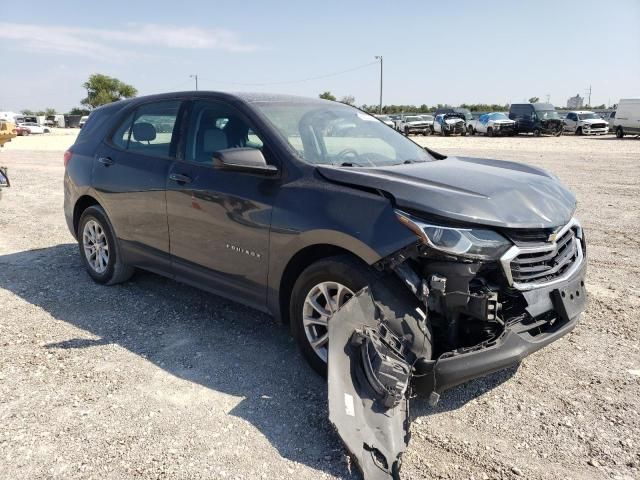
[(177, 177), (106, 161)]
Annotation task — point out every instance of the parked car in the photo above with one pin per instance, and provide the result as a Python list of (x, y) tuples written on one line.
[(450, 124), (4, 180), (429, 119), (496, 123), (34, 128), (83, 120), (249, 197), (582, 122), (7, 132), (22, 131), (413, 124), (536, 118), (465, 112), (386, 120), (627, 119)]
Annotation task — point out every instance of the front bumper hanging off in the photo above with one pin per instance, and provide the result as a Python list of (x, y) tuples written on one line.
[(373, 367)]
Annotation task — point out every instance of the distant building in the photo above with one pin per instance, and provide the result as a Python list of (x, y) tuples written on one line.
[(575, 102)]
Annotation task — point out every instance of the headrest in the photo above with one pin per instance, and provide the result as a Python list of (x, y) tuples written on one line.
[(213, 140), (144, 132)]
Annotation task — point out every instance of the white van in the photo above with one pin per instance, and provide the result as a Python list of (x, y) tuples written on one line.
[(627, 120)]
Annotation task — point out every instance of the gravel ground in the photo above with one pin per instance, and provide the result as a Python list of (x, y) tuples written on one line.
[(154, 379)]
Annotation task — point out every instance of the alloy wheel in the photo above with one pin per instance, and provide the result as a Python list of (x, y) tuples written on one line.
[(320, 304), (96, 246)]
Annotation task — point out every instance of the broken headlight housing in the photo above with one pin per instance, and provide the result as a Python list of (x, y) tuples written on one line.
[(472, 243)]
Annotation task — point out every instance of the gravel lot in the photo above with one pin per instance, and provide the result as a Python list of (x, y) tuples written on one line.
[(153, 379)]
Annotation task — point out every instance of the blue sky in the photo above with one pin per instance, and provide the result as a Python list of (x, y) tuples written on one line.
[(434, 52)]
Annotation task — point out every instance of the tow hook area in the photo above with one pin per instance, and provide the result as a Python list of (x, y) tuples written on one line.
[(369, 378)]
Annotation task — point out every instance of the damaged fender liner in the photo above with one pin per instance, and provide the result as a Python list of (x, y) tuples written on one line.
[(368, 384)]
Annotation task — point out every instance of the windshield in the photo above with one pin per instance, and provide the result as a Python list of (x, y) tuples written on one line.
[(588, 116), (498, 116), (413, 119), (427, 118), (547, 114), (336, 134), (384, 118)]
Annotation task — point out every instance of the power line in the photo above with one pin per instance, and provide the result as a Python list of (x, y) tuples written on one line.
[(290, 82)]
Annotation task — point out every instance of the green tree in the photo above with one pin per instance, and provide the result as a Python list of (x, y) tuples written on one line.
[(28, 112), (102, 89), (50, 111), (534, 100), (78, 111), (328, 96), (348, 99)]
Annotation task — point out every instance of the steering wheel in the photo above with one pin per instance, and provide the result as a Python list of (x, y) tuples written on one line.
[(347, 152)]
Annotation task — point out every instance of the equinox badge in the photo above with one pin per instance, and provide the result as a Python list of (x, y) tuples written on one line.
[(246, 251)]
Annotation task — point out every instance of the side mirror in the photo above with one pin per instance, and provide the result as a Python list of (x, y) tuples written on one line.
[(249, 160)]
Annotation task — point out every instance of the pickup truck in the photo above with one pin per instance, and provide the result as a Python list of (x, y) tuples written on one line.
[(408, 124), (450, 124), (494, 123)]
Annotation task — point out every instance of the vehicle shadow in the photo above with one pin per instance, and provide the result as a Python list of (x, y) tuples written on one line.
[(204, 339)]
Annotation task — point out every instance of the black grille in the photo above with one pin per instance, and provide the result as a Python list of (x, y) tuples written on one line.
[(536, 236), (546, 265), (598, 125)]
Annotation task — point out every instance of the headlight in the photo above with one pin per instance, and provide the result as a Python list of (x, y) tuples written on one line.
[(474, 243)]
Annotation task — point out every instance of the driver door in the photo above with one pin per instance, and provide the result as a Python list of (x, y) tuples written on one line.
[(219, 220)]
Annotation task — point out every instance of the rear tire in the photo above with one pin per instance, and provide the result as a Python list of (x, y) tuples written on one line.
[(489, 132), (95, 234), (619, 132), (472, 131), (536, 132)]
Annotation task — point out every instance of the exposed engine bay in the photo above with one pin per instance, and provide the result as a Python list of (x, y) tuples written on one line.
[(434, 321)]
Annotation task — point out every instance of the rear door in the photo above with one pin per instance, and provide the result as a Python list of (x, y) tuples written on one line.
[(129, 176), (219, 220)]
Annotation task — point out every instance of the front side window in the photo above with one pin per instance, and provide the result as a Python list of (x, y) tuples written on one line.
[(149, 129), (337, 134), (216, 126)]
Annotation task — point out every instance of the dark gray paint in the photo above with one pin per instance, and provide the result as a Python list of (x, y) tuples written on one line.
[(479, 191)]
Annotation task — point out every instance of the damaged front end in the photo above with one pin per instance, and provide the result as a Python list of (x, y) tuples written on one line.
[(471, 302)]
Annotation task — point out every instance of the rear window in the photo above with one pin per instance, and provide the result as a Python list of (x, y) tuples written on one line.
[(149, 130)]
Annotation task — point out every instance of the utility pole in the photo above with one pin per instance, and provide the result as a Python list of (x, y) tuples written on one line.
[(548, 98), (588, 92), (196, 77), (379, 57)]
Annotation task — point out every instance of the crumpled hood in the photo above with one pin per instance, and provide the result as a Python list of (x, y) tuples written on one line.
[(591, 121), (480, 191), (453, 121), (502, 122)]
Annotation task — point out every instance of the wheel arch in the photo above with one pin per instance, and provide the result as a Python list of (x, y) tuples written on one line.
[(298, 263), (84, 202)]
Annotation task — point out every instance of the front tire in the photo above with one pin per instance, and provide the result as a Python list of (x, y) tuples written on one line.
[(99, 248), (619, 132), (579, 131), (536, 132), (489, 132), (319, 291)]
